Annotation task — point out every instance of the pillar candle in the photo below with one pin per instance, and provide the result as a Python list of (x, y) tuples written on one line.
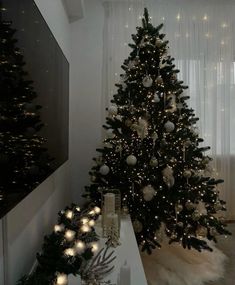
[(125, 274), (112, 221)]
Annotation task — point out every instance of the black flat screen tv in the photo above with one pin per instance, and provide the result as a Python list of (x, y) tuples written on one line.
[(48, 69)]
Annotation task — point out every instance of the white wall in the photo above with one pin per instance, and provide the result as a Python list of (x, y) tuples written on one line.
[(34, 217), (86, 79)]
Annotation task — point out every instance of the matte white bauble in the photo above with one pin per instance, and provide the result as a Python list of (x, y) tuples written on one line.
[(147, 81), (156, 98), (113, 110), (131, 160), (104, 169), (169, 126)]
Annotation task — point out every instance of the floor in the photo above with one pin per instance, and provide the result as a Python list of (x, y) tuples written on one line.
[(228, 247)]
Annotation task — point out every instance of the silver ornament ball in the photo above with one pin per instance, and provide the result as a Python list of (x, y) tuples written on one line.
[(169, 126)]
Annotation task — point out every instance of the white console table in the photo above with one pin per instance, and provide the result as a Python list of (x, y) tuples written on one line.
[(127, 251)]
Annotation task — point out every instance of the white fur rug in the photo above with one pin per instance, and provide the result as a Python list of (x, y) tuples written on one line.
[(174, 265)]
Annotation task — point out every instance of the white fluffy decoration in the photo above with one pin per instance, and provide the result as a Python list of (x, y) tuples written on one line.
[(168, 177), (148, 192), (174, 265), (141, 128)]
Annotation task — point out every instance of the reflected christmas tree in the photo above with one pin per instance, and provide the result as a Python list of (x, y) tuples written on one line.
[(24, 161), (152, 151)]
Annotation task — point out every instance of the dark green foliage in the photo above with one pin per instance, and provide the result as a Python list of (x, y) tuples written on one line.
[(52, 260), (186, 198)]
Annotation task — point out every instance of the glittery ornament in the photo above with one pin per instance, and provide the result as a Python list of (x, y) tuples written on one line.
[(159, 80), (158, 42), (154, 136), (131, 160), (189, 205), (156, 98), (137, 226), (187, 173), (169, 126), (196, 215), (113, 110), (128, 122), (104, 169), (153, 162), (201, 231), (148, 192), (147, 81), (110, 134), (178, 208)]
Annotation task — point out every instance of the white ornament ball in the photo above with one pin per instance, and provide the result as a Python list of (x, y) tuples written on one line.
[(131, 160), (147, 81), (104, 169), (153, 162), (148, 192), (137, 226), (156, 98), (187, 173), (110, 134), (169, 126), (113, 110), (158, 42)]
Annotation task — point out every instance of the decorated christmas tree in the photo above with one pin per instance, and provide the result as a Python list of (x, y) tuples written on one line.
[(152, 151), (24, 161)]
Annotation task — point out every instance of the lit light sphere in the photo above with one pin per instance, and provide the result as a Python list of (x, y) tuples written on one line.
[(61, 279), (69, 214), (97, 210), (131, 160), (79, 246), (69, 235), (58, 228), (69, 251), (85, 228), (91, 223)]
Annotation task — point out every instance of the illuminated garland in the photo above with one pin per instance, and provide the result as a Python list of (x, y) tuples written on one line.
[(67, 249)]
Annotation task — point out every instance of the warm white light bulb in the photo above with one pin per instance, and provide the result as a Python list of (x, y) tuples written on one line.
[(69, 235), (69, 214), (62, 279), (92, 213), (78, 209)]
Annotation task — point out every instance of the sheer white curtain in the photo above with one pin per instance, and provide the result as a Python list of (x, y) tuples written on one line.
[(201, 37)]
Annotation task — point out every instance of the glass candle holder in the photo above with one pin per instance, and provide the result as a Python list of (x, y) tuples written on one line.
[(111, 211)]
